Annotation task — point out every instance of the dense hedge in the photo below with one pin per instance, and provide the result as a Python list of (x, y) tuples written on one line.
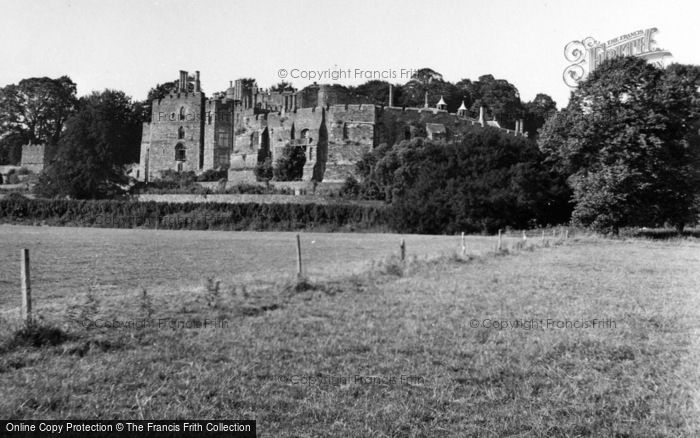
[(196, 216)]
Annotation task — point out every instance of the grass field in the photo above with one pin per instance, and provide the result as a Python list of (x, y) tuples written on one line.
[(429, 348), (65, 260)]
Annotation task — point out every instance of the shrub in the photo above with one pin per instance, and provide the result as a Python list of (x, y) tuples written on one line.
[(170, 179), (351, 188), (12, 177), (36, 334), (263, 170), (290, 166), (213, 175)]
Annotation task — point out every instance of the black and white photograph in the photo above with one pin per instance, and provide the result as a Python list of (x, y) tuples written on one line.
[(356, 218)]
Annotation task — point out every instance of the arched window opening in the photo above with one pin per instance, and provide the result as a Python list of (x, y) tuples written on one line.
[(180, 133), (180, 153), (182, 113)]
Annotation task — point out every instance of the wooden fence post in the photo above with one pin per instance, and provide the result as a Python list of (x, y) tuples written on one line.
[(542, 237), (524, 236), (403, 250), (566, 236), (299, 270), (26, 309), (500, 240), (464, 245)]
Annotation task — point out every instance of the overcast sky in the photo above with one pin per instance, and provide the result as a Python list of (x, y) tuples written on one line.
[(133, 44)]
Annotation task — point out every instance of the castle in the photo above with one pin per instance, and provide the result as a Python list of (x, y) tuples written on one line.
[(237, 128)]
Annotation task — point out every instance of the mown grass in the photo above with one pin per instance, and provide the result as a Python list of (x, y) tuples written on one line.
[(391, 351)]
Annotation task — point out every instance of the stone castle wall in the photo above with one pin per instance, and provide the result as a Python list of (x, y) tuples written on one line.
[(238, 129), (177, 123), (35, 157)]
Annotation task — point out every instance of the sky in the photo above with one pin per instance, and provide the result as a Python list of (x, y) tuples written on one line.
[(132, 45)]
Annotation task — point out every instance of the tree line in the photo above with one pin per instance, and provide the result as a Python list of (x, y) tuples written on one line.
[(624, 152)]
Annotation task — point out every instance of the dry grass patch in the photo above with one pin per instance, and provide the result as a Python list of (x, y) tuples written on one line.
[(388, 354)]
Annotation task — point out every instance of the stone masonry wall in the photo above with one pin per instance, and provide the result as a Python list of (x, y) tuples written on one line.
[(176, 120), (34, 157)]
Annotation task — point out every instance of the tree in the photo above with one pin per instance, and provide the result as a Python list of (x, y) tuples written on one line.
[(626, 140), (500, 99), (11, 147), (376, 91), (486, 181), (282, 86), (412, 94), (156, 93), (97, 140), (290, 165), (34, 111), (121, 125), (541, 108)]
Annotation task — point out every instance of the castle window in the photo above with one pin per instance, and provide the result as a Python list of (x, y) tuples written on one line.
[(305, 139), (180, 133), (346, 135), (180, 152), (182, 113)]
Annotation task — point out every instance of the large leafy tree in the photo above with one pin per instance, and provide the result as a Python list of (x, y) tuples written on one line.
[(500, 99), (34, 111), (101, 137), (486, 181), (628, 141), (412, 93), (537, 111), (377, 92)]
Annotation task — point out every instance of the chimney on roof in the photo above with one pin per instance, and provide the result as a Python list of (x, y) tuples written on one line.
[(183, 81)]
